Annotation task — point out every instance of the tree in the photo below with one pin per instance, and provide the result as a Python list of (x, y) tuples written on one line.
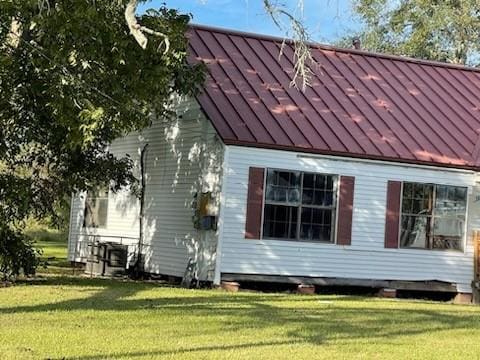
[(443, 30), (72, 80)]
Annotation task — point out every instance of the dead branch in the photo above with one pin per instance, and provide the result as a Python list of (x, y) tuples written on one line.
[(302, 55), (138, 31)]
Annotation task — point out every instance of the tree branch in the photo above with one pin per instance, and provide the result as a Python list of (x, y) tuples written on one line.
[(138, 31), (302, 56)]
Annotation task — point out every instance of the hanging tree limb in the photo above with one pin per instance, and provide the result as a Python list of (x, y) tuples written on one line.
[(302, 56), (138, 31)]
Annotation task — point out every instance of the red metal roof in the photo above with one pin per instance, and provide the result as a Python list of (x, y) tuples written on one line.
[(360, 104)]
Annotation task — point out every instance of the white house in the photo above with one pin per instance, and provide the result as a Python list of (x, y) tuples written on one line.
[(368, 177)]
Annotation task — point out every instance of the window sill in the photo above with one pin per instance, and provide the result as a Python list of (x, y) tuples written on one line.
[(435, 250)]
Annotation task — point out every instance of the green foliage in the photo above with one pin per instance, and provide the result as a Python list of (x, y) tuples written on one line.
[(72, 79), (17, 254), (443, 30)]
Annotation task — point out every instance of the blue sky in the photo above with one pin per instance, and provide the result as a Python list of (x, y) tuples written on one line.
[(326, 20)]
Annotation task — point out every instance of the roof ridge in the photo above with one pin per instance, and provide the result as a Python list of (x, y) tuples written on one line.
[(335, 48)]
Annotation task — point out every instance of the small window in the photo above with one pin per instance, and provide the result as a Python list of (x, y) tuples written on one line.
[(433, 216), (299, 206), (96, 209)]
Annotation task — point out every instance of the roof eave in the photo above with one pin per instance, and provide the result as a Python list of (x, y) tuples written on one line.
[(475, 168)]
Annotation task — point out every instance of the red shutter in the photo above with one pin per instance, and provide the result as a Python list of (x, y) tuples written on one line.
[(253, 222), (392, 218), (345, 210)]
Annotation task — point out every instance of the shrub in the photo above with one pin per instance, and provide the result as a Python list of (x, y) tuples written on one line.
[(17, 254)]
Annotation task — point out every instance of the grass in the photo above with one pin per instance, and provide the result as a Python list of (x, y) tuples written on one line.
[(61, 317), (53, 244)]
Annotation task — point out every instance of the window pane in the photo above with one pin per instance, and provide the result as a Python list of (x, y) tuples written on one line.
[(95, 213), (449, 221), (414, 232), (448, 232), (318, 189), (316, 224), (329, 183), (417, 198), (451, 201), (320, 181), (280, 221), (328, 198), (308, 181), (282, 186), (408, 190), (319, 198), (407, 205)]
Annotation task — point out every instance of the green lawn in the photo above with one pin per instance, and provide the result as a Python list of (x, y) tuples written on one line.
[(61, 317), (54, 247)]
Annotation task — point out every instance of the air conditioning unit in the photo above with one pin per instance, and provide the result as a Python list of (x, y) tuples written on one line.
[(106, 259)]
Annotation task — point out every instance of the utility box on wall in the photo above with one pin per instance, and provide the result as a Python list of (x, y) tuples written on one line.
[(205, 217)]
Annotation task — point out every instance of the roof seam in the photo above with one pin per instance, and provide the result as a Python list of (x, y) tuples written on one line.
[(441, 97), (422, 106), (390, 113), (469, 111), (289, 96), (226, 97), (308, 100), (432, 102), (287, 114), (380, 134)]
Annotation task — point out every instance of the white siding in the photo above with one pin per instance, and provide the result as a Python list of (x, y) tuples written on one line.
[(366, 258), (181, 159), (123, 210)]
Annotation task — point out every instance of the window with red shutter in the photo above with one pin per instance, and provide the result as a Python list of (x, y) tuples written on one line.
[(299, 206)]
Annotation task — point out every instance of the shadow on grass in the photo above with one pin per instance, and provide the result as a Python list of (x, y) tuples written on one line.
[(309, 319), (180, 351)]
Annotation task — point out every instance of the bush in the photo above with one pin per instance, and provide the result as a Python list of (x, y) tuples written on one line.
[(17, 254)]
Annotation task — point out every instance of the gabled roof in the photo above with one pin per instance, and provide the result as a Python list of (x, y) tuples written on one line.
[(360, 104)]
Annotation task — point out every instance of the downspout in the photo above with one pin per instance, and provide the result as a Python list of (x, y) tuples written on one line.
[(138, 268)]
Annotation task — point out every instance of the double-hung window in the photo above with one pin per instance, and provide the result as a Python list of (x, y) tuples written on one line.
[(300, 206), (433, 216), (96, 209)]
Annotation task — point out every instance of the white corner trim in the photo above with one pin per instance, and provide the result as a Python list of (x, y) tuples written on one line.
[(223, 196)]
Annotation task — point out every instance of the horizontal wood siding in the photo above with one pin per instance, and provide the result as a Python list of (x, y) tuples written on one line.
[(366, 257), (181, 159)]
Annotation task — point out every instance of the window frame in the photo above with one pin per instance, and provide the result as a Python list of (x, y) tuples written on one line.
[(431, 218), (334, 208), (106, 197)]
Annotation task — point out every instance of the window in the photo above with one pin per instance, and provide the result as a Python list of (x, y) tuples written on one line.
[(96, 208), (433, 216), (299, 206)]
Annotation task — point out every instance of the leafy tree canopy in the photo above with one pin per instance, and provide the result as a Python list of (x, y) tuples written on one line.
[(443, 30), (73, 79)]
